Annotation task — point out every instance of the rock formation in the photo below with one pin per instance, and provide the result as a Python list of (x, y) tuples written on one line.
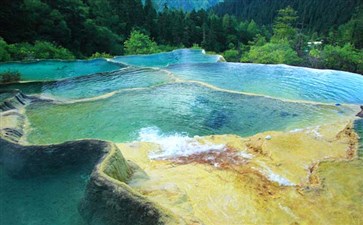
[(360, 114)]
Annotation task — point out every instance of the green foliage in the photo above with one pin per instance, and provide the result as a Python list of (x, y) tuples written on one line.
[(350, 32), (90, 27), (284, 25), (195, 46), (40, 50), (140, 43), (26, 51), (315, 15), (272, 53), (231, 55), (314, 53), (98, 55), (9, 77), (259, 40), (168, 48), (102, 37), (4, 54), (343, 58), (185, 5), (253, 29), (46, 50)]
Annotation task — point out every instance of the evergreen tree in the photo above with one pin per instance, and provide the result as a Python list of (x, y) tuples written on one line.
[(284, 25)]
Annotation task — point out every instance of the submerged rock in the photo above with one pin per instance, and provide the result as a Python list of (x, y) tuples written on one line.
[(360, 114), (217, 119), (108, 199), (35, 160)]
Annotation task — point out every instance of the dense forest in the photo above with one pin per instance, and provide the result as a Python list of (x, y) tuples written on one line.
[(321, 34), (321, 16), (186, 5)]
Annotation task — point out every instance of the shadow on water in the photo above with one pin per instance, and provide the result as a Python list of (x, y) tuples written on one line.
[(47, 199), (358, 126), (217, 119)]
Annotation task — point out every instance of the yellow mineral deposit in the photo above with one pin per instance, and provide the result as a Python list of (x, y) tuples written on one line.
[(306, 176)]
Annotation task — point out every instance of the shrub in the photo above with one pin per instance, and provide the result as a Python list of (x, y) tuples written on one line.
[(272, 53), (140, 43), (342, 58), (4, 54), (98, 55), (47, 50), (196, 46), (26, 51), (231, 55)]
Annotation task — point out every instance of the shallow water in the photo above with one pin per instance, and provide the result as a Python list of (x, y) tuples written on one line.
[(358, 126), (280, 81), (57, 69), (111, 101), (180, 56), (99, 84), (48, 199), (172, 108), (26, 88)]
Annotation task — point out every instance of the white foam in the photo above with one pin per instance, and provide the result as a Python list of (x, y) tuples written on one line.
[(278, 179), (246, 155), (266, 171), (175, 145), (309, 130), (296, 130), (314, 131)]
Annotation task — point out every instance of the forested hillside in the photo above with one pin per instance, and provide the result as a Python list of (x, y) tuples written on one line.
[(258, 31), (186, 5), (320, 16)]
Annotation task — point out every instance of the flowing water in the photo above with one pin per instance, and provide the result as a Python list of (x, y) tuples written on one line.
[(57, 69), (181, 56), (183, 92), (280, 81), (171, 107)]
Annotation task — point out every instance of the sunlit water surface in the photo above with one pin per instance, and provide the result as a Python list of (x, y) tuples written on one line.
[(280, 81), (117, 98)]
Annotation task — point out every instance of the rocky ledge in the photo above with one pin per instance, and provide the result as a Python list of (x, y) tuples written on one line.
[(108, 199), (270, 178)]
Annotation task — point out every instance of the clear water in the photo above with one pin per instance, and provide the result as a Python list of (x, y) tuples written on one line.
[(57, 69), (27, 87), (358, 126), (111, 101), (180, 56), (99, 84), (281, 81), (95, 84), (49, 199), (171, 107)]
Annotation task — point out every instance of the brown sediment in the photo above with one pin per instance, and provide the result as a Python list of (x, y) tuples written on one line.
[(222, 187), (348, 135), (314, 180), (256, 145), (220, 159), (230, 159)]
